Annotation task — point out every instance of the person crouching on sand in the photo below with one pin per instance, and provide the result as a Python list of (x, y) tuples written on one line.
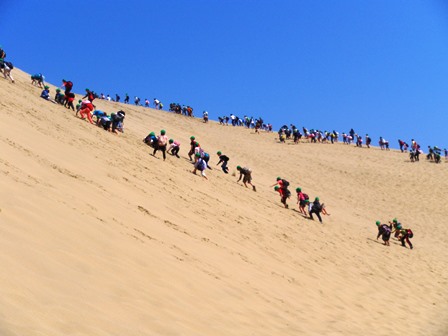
[(200, 165), (46, 94), (384, 231), (283, 194), (86, 108), (174, 148), (247, 173)]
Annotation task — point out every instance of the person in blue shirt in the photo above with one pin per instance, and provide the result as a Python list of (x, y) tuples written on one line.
[(98, 114), (200, 165), (38, 79), (46, 94), (151, 140)]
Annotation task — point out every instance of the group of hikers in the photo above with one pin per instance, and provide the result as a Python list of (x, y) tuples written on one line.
[(85, 108), (200, 158), (315, 136), (306, 208), (197, 155), (400, 233), (247, 122)]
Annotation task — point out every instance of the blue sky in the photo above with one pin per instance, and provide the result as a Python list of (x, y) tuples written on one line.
[(379, 66)]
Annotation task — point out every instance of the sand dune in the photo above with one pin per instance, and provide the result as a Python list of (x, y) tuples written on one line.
[(100, 238)]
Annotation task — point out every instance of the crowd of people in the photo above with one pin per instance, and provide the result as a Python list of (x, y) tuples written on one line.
[(316, 136), (200, 159)]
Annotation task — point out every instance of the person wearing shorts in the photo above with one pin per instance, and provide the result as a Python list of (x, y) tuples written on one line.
[(246, 174)]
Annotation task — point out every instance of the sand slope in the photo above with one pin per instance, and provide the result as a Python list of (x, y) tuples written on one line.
[(97, 237)]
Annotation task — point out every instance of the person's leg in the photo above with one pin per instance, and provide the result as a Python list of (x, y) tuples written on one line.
[(318, 216), (224, 167), (89, 117), (81, 113), (408, 241), (402, 241), (311, 214), (163, 149)]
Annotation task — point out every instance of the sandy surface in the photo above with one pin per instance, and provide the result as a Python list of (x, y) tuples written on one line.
[(97, 237)]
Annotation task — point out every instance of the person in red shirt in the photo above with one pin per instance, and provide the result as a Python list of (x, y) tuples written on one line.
[(284, 194), (90, 95), (86, 108), (302, 200), (68, 85)]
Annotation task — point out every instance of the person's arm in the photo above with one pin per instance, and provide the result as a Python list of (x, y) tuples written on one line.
[(241, 175), (220, 160)]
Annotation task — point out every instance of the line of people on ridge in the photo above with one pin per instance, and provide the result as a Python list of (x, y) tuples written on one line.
[(314, 135), (247, 122)]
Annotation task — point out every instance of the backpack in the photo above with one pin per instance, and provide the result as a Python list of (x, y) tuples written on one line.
[(317, 207), (306, 197), (285, 183), (9, 65)]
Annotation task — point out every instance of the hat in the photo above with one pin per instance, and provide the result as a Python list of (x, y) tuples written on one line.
[(238, 167), (192, 137), (395, 220), (197, 155), (278, 178), (316, 199), (152, 133), (171, 141), (162, 132), (378, 223), (276, 188), (298, 189), (46, 87), (219, 153), (80, 101)]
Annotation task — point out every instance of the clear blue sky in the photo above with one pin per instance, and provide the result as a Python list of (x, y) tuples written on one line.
[(379, 66)]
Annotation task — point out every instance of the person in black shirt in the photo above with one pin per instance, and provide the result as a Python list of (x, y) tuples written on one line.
[(316, 208), (224, 159)]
